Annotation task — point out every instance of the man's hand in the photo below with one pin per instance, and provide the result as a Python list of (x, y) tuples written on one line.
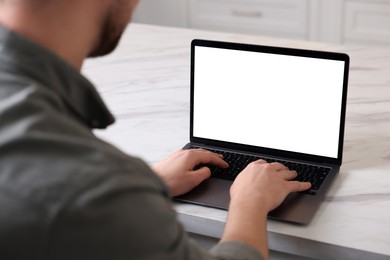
[(178, 169), (266, 184)]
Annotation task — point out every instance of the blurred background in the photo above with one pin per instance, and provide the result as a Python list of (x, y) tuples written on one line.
[(332, 21)]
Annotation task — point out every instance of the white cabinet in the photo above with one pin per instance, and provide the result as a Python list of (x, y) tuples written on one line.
[(272, 17), (337, 21), (367, 22), (162, 12)]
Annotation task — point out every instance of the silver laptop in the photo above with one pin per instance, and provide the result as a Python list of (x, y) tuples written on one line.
[(253, 102)]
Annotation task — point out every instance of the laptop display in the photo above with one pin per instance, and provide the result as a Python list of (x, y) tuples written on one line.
[(282, 102)]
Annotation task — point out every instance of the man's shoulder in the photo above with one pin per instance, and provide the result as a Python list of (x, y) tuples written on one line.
[(48, 152)]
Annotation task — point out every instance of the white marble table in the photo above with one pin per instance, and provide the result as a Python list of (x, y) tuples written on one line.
[(146, 85)]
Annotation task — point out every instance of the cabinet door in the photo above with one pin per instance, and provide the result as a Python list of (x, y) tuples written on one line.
[(367, 22), (162, 12), (283, 18)]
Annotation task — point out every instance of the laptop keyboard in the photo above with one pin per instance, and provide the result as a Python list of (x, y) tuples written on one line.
[(306, 172)]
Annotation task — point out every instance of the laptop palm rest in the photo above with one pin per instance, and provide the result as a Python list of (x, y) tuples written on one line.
[(297, 208), (213, 192)]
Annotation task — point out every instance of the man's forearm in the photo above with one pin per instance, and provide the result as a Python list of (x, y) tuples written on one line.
[(247, 222)]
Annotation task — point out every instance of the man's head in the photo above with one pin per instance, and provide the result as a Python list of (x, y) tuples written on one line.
[(74, 29)]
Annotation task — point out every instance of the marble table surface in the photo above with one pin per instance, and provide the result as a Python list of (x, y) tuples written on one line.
[(145, 83)]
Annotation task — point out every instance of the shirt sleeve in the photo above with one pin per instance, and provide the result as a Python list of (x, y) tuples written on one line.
[(129, 218), (235, 250)]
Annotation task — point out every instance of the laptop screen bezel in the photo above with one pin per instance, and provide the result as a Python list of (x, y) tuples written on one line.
[(272, 50)]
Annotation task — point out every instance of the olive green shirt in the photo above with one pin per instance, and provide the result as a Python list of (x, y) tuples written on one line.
[(64, 193)]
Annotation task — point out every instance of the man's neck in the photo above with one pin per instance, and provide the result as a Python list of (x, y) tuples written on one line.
[(40, 24)]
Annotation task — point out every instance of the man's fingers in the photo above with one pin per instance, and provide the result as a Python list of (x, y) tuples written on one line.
[(296, 186), (288, 175), (219, 155), (260, 161), (278, 166), (217, 161), (201, 174), (207, 157)]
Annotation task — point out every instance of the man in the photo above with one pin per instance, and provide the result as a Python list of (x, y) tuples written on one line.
[(65, 194)]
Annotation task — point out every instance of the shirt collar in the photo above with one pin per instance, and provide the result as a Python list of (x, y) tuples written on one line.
[(42, 65)]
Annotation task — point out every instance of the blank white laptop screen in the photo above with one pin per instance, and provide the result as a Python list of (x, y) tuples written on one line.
[(275, 101)]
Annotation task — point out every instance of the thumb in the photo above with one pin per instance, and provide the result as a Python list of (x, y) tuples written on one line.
[(201, 174), (297, 186)]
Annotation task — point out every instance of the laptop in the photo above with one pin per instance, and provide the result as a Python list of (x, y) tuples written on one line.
[(251, 102)]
